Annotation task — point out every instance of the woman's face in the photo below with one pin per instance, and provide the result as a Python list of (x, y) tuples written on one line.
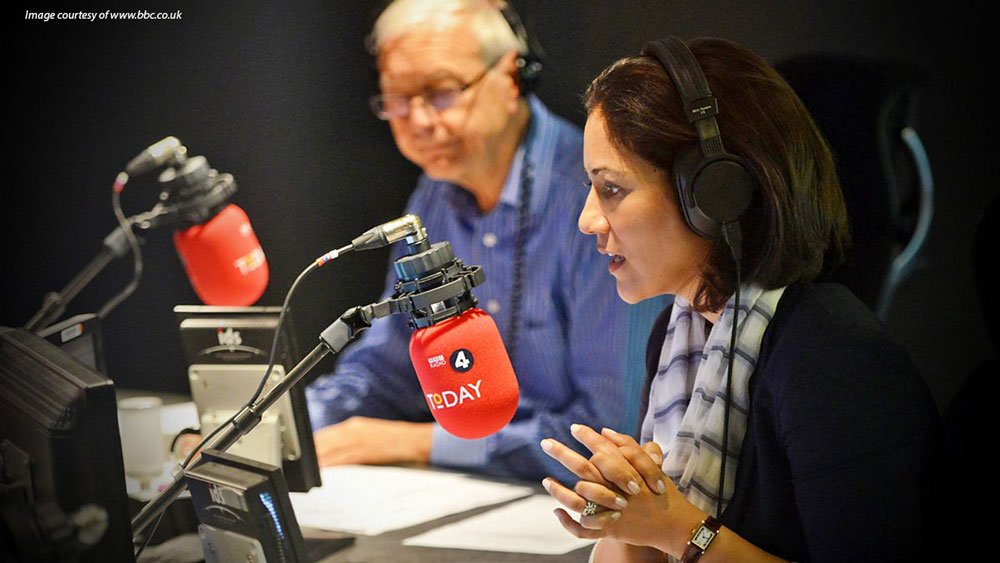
[(632, 211)]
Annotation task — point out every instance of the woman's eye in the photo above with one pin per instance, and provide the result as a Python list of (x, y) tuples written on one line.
[(610, 190), (605, 190)]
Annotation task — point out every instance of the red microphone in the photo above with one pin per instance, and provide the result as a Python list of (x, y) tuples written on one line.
[(456, 349), (220, 252), (465, 374), (223, 259)]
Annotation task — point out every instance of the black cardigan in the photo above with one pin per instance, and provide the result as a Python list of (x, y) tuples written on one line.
[(841, 432)]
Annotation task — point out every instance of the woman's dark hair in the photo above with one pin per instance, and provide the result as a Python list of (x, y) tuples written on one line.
[(796, 227)]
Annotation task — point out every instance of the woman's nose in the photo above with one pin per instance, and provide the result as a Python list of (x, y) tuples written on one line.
[(592, 220)]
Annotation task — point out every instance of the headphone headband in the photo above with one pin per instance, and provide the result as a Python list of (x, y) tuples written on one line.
[(529, 65), (700, 106), (713, 187)]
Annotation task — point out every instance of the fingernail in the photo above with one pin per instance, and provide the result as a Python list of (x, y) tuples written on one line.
[(546, 445), (573, 428), (608, 431), (633, 487), (656, 458), (620, 501), (545, 484), (615, 515), (660, 486)]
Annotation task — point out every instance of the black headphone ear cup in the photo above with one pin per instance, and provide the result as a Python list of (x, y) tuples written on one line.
[(685, 170), (723, 189), (529, 70), (529, 64), (711, 192)]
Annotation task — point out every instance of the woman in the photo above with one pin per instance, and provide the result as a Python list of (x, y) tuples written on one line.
[(829, 424)]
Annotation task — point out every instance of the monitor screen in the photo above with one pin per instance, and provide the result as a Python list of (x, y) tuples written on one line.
[(61, 454), (226, 350), (244, 510), (80, 337)]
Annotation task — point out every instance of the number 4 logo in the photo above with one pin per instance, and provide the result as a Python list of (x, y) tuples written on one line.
[(462, 360)]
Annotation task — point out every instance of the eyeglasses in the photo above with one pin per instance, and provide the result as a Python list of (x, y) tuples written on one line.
[(397, 106)]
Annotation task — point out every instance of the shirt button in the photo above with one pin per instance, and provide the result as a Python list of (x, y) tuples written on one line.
[(489, 240), (493, 306)]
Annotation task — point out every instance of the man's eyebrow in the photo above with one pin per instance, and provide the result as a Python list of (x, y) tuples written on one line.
[(442, 75), (430, 78)]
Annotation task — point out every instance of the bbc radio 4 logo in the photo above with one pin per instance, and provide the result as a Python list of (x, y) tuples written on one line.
[(461, 361)]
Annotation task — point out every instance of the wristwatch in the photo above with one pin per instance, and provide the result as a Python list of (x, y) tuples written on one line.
[(701, 537)]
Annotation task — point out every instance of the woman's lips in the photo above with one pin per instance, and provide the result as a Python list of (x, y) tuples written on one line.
[(616, 262)]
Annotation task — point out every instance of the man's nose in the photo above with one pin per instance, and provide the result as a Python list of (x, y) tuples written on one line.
[(422, 116)]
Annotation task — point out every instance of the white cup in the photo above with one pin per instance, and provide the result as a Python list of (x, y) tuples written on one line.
[(142, 438)]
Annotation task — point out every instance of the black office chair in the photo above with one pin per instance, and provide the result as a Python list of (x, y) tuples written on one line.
[(866, 110), (969, 418)]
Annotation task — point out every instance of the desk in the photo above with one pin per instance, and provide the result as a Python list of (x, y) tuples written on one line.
[(386, 546), (458, 508), (389, 547)]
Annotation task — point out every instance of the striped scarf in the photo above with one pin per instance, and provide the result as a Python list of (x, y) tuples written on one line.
[(684, 416)]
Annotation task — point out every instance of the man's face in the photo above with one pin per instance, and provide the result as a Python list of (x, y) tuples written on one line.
[(451, 143)]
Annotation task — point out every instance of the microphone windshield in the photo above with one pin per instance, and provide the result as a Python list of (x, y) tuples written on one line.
[(465, 374), (223, 259)]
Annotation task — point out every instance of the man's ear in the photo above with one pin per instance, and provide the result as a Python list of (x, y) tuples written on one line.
[(508, 65)]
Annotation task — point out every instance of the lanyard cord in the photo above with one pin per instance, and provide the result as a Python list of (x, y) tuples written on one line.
[(520, 242)]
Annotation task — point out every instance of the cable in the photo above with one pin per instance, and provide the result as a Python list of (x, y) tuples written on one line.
[(126, 227), (149, 537), (318, 263), (734, 238), (184, 432), (267, 372), (520, 242)]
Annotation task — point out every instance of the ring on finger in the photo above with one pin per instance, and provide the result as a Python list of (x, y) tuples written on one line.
[(590, 508)]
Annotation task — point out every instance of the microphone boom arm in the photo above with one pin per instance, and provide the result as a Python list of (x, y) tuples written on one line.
[(434, 286), (350, 324), (448, 299), (115, 246)]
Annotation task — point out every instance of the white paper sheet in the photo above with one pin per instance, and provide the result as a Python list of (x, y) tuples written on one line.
[(525, 526), (370, 500)]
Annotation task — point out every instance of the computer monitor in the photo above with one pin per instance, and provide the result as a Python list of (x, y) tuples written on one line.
[(244, 510), (80, 337), (61, 456), (226, 350)]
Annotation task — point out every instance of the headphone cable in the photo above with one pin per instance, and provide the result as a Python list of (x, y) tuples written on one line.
[(734, 239)]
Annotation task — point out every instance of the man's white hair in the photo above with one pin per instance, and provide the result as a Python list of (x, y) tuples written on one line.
[(494, 34)]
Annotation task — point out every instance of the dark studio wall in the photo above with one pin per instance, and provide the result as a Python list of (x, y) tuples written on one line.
[(275, 94)]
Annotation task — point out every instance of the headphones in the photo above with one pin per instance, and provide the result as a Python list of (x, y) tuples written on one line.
[(529, 65), (714, 187)]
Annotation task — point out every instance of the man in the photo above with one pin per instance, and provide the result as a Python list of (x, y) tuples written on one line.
[(448, 73)]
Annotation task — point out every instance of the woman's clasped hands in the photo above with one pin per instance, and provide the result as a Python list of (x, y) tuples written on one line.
[(636, 503)]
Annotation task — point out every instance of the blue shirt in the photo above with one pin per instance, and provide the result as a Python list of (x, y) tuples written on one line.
[(579, 350)]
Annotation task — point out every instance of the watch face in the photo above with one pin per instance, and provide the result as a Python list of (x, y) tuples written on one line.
[(702, 537)]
